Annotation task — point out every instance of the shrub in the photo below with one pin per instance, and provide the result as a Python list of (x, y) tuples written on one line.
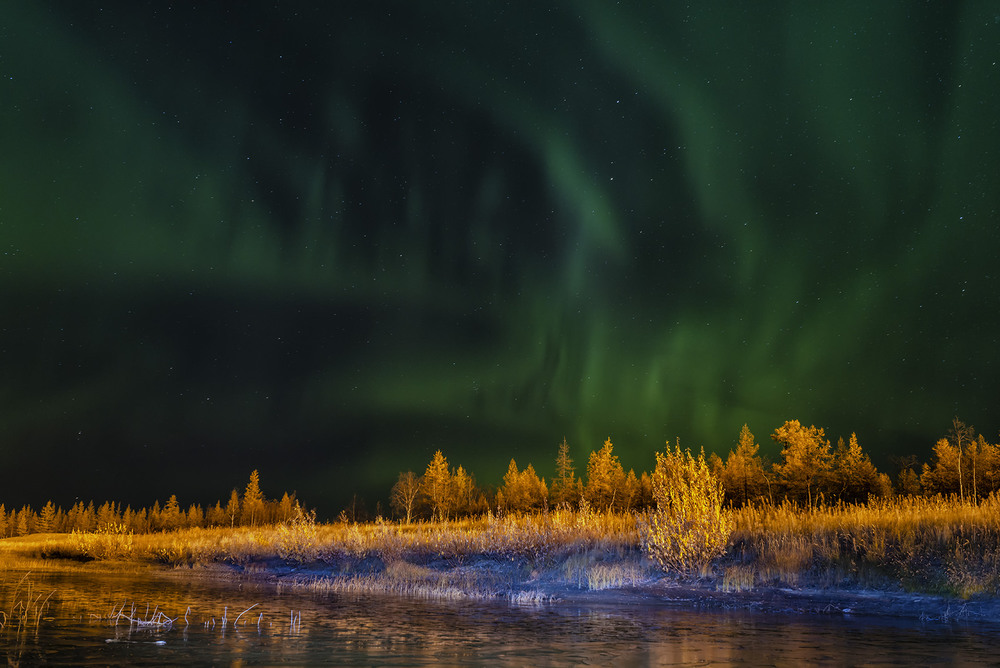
[(111, 541), (297, 538), (689, 526)]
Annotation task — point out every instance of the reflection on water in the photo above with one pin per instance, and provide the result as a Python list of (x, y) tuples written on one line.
[(284, 627)]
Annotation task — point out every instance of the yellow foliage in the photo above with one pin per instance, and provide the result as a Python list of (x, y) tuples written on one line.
[(689, 526), (296, 539), (522, 490), (111, 541)]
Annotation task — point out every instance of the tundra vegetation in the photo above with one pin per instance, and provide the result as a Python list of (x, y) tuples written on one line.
[(821, 516)]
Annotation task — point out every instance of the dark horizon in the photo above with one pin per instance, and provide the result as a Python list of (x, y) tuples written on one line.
[(325, 241)]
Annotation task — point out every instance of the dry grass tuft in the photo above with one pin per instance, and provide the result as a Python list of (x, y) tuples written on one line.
[(740, 577), (24, 606)]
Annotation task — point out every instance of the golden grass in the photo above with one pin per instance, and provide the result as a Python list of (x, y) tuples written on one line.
[(739, 577), (616, 575), (939, 545), (537, 538), (514, 536), (931, 544)]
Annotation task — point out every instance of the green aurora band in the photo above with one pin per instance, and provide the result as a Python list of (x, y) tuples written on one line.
[(326, 242)]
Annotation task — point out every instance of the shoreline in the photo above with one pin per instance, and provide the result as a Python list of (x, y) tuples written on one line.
[(934, 560), (490, 580), (661, 592)]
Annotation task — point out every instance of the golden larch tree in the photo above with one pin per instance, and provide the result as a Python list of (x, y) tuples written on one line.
[(941, 476), (605, 478), (253, 500), (170, 516), (805, 464), (853, 476), (233, 507), (437, 486), (564, 490), (463, 487), (522, 490), (743, 475)]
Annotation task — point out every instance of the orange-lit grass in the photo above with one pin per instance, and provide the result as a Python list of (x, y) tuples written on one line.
[(937, 545), (531, 537), (509, 556), (929, 544)]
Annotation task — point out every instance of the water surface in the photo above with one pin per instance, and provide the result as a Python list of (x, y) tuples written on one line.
[(302, 627)]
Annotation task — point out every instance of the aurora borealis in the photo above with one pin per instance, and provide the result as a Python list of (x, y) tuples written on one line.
[(324, 240)]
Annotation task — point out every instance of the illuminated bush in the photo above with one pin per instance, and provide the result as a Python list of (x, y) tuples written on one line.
[(689, 526), (296, 541), (111, 541)]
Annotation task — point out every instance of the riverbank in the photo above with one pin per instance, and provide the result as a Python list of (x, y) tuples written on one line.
[(930, 559), (628, 582), (627, 627), (520, 584)]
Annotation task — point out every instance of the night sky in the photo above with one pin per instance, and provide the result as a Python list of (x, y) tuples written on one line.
[(326, 239)]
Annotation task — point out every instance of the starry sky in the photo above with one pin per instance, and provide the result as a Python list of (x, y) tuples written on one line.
[(324, 240)]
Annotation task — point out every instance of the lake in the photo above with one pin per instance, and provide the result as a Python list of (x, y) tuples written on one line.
[(266, 626)]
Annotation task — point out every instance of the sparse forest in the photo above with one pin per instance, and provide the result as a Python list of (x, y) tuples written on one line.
[(251, 508), (809, 473)]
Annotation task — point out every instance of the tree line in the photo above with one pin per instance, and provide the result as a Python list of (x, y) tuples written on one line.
[(809, 471), (251, 508), (443, 493)]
